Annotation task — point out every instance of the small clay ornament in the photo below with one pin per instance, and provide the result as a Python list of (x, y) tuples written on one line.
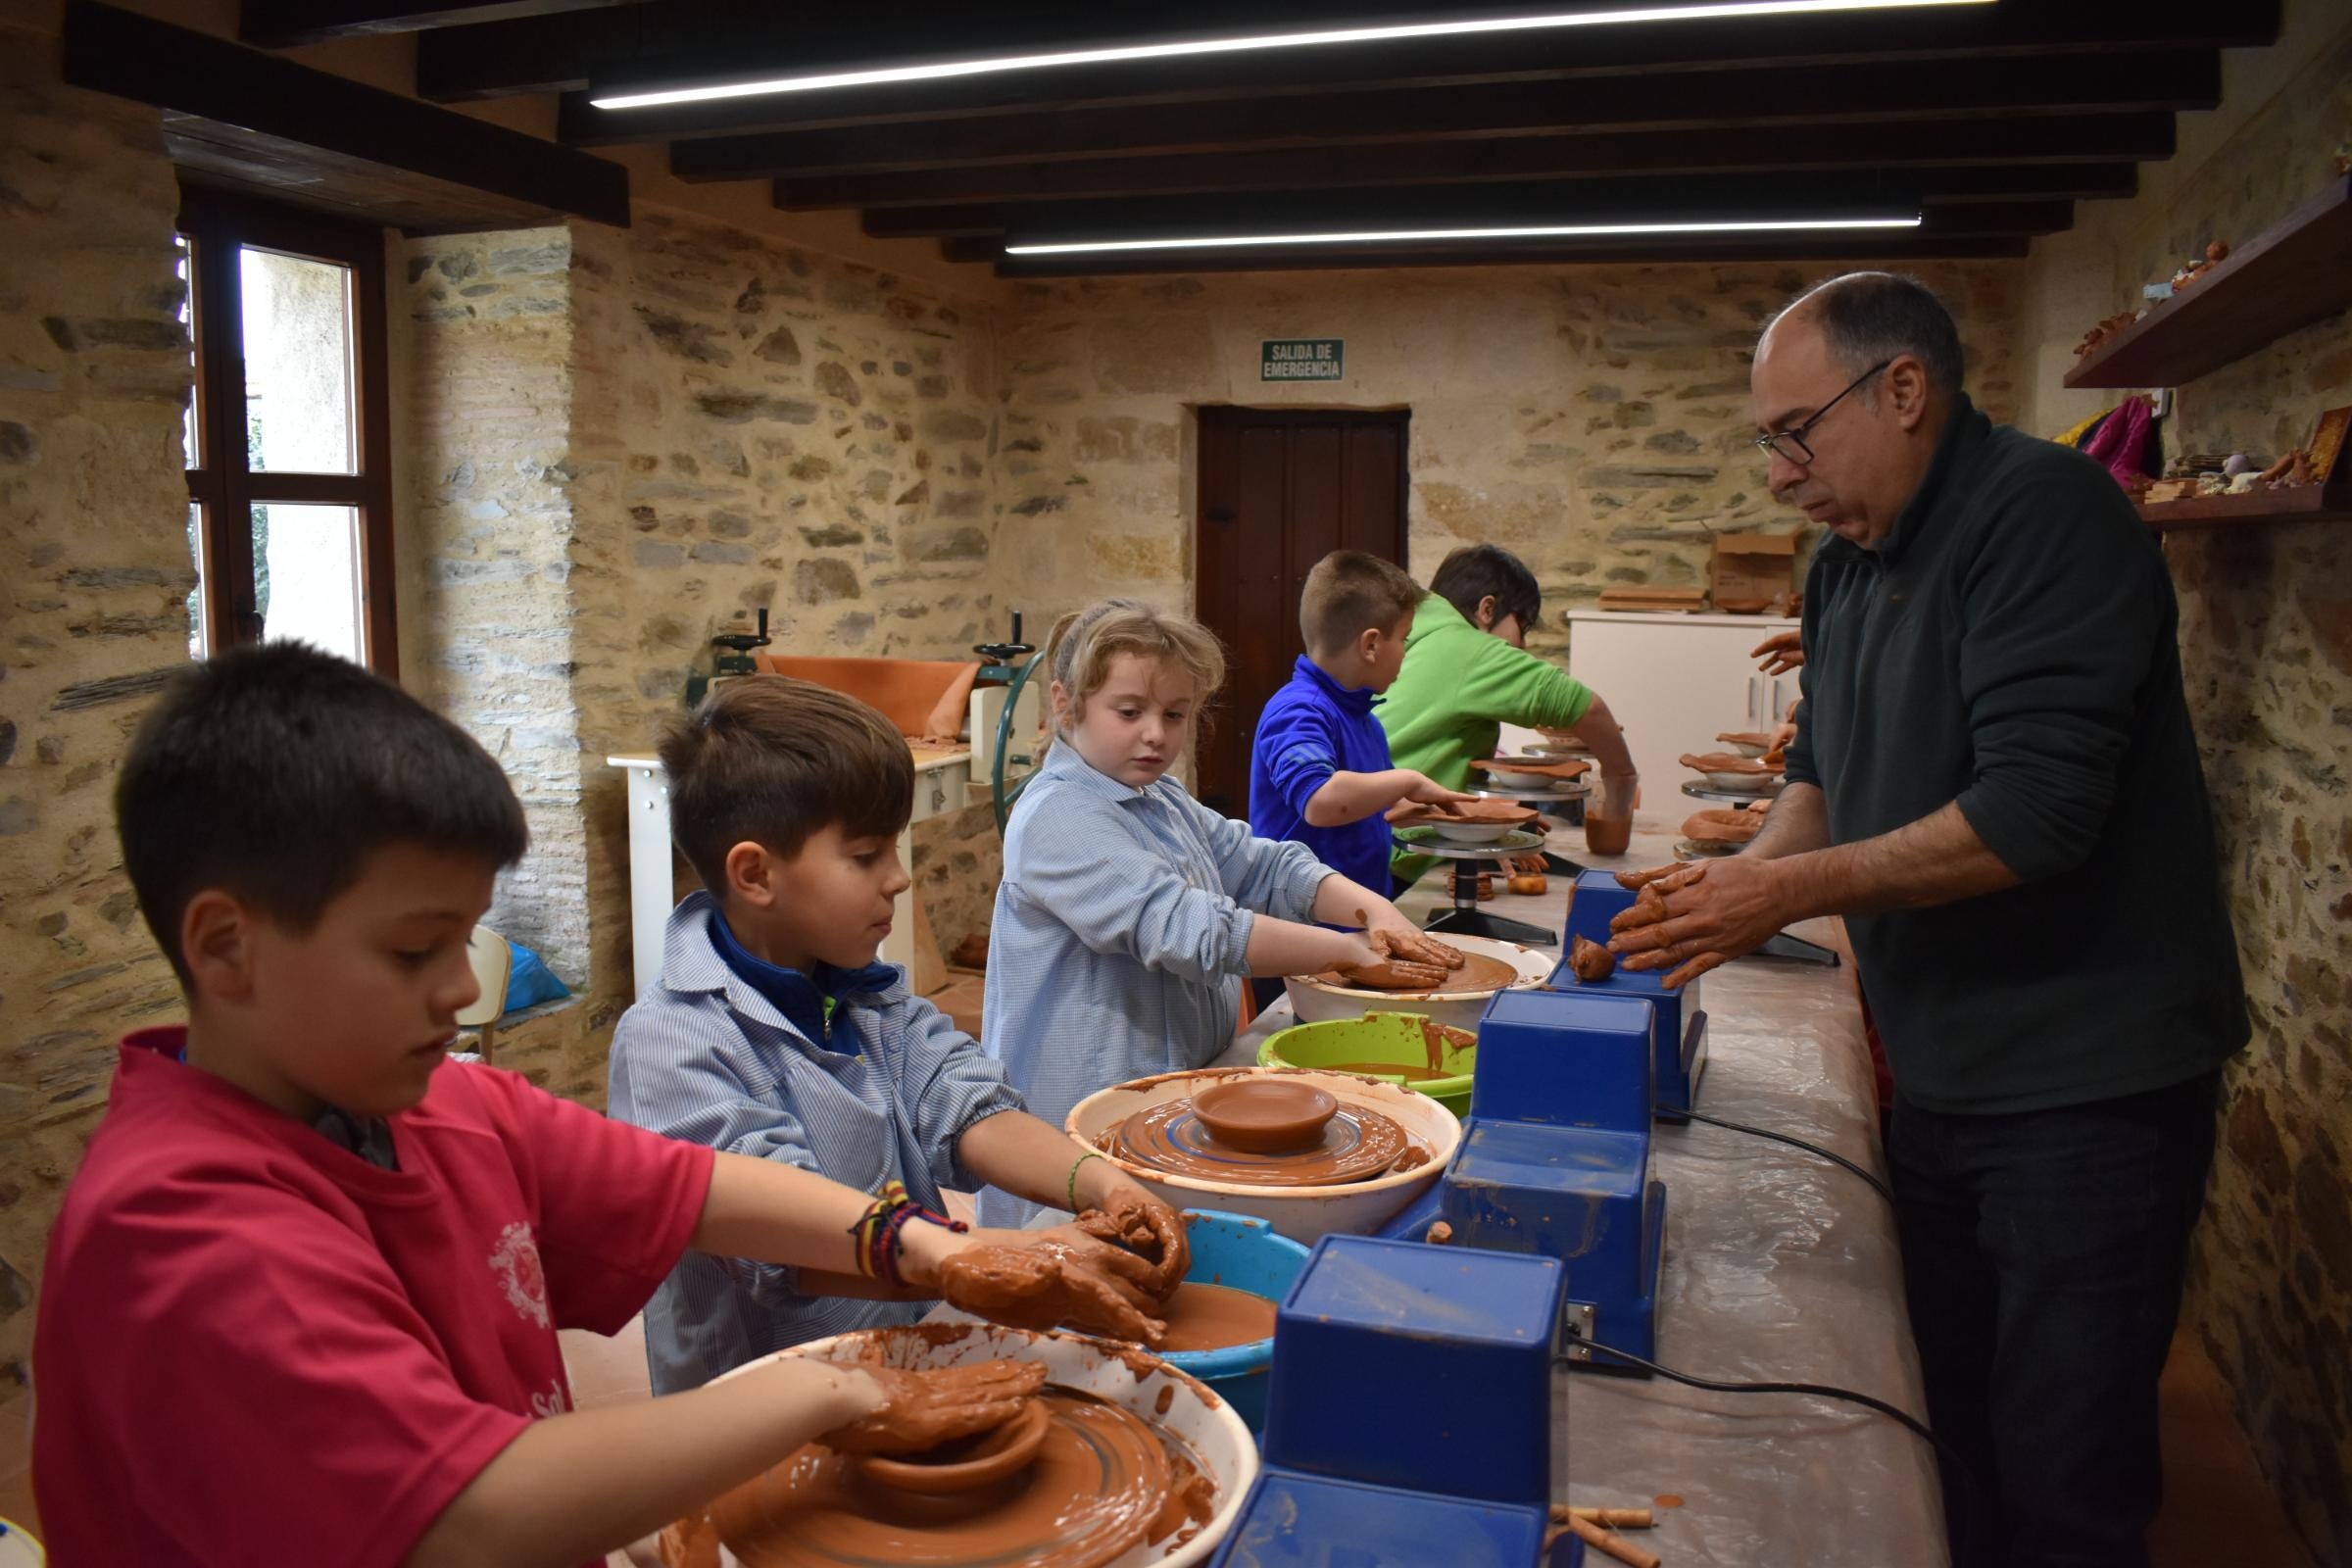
[(1590, 962)]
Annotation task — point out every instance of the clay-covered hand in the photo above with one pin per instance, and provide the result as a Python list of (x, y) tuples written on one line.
[(1382, 961), (1634, 881), (921, 1410), (1121, 1213), (1426, 790), (1781, 653), (1712, 913), (1049, 1279), (1649, 905), (1392, 936)]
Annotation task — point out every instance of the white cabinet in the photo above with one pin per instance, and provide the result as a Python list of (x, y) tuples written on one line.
[(1676, 682)]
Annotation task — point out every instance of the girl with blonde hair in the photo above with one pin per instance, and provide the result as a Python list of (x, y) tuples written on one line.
[(1129, 914)]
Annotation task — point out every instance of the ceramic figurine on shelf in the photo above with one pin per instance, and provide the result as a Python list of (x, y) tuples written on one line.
[(2215, 253), (2104, 330)]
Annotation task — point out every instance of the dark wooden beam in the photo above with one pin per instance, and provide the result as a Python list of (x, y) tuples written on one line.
[(119, 52), (1471, 203), (287, 23), (1744, 103), (688, 41), (1818, 255), (2086, 141)]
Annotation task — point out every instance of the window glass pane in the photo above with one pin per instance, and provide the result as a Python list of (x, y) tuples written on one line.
[(191, 444), (306, 576), (298, 417), (197, 640)]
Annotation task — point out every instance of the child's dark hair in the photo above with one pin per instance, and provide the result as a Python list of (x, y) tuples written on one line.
[(1349, 593), (275, 772), (1469, 574), (772, 760)]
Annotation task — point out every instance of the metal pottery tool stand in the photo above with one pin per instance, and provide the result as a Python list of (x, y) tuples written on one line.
[(1783, 946), (1466, 919)]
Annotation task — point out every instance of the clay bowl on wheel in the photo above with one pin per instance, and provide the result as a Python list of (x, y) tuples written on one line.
[(1723, 825), (1545, 774), (1314, 999), (1162, 1396), (1746, 743), (1265, 1115), (968, 1466), (1302, 1213), (1472, 822), (1743, 774)]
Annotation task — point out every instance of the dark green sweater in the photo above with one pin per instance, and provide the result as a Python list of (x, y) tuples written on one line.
[(2010, 645)]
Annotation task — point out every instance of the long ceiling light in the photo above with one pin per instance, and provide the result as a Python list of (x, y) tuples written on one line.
[(1395, 235), (1252, 43)]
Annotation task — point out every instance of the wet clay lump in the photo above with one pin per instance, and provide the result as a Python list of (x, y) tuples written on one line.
[(1590, 962), (1103, 1483)]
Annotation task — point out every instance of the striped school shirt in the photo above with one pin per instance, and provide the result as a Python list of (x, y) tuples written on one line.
[(1120, 935), (707, 1058)]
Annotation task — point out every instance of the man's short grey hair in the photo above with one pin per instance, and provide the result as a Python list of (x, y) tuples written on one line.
[(1867, 317)]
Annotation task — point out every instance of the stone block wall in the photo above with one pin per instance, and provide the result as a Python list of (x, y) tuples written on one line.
[(94, 576), (1590, 420), (2266, 639)]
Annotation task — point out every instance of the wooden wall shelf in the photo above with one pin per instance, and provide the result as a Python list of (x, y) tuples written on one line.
[(2295, 273), (2311, 503)]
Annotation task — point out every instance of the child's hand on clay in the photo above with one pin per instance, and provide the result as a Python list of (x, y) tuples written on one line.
[(921, 1410)]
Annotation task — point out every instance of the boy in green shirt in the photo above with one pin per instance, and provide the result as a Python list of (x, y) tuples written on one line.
[(1467, 673)]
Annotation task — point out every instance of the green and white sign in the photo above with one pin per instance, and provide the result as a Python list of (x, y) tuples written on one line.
[(1301, 359)]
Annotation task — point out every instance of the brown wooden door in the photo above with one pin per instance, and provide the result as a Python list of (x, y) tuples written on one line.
[(1280, 489)]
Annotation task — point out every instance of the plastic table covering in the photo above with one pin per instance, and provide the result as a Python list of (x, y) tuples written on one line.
[(1780, 1267)]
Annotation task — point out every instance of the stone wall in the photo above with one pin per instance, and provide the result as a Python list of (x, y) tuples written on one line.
[(1590, 420), (2266, 635), (94, 575)]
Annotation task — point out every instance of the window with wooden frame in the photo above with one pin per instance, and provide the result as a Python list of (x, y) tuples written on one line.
[(290, 448)]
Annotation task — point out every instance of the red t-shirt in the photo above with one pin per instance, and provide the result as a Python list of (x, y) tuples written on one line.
[(255, 1347)]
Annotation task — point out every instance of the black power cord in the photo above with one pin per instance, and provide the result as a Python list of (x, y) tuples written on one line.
[(1836, 1159), (1972, 1514)]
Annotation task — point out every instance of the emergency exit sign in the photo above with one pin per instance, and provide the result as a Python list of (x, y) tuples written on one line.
[(1301, 359)]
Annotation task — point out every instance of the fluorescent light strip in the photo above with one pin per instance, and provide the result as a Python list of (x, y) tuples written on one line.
[(1251, 44), (1543, 231)]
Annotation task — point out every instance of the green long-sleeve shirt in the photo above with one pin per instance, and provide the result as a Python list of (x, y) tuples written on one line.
[(1459, 687)]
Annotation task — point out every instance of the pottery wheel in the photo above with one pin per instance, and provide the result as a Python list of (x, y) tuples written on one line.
[(1357, 1145), (1103, 1483), (1479, 972)]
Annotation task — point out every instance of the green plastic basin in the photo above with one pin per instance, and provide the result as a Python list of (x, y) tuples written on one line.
[(1377, 1038)]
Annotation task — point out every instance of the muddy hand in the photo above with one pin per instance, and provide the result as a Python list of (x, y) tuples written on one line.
[(1126, 1215), (1408, 944), (1642, 878), (922, 1411), (1051, 1282)]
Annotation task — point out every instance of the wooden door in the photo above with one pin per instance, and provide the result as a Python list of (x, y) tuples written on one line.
[(1280, 489)]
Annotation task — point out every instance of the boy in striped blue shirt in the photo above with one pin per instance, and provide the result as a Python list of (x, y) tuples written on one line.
[(775, 1032)]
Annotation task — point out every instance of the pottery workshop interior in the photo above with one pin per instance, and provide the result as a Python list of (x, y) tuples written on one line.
[(1246, 784)]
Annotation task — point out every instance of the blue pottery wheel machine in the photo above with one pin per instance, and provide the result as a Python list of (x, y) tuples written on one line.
[(1409, 1414)]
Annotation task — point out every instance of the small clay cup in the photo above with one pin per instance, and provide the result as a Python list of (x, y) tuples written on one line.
[(968, 1464), (1265, 1115)]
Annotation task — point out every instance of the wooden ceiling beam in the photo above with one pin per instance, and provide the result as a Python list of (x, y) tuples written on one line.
[(289, 24), (2058, 183), (195, 74), (1747, 104), (2085, 141)]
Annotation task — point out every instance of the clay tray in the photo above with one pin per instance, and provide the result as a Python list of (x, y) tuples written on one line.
[(1726, 763), (1562, 769), (1358, 1144), (1726, 825), (1500, 813)]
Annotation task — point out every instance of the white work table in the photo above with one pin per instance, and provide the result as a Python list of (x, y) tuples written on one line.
[(941, 781), (1780, 1267)]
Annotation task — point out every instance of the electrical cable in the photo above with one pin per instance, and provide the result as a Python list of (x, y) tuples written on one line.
[(1972, 1514), (1836, 1159)]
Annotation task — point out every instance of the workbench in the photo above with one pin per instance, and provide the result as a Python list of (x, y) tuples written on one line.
[(1780, 1267)]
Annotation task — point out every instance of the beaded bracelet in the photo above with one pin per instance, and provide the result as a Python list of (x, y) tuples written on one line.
[(1073, 1183), (877, 1231)]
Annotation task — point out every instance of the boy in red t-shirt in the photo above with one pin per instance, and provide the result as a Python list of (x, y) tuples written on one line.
[(301, 1303)]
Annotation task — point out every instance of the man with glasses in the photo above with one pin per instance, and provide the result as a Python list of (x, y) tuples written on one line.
[(1995, 782)]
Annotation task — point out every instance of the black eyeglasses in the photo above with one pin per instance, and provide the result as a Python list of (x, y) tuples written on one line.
[(1791, 443)]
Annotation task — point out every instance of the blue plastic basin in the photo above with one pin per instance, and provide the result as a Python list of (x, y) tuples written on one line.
[(1243, 1255)]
